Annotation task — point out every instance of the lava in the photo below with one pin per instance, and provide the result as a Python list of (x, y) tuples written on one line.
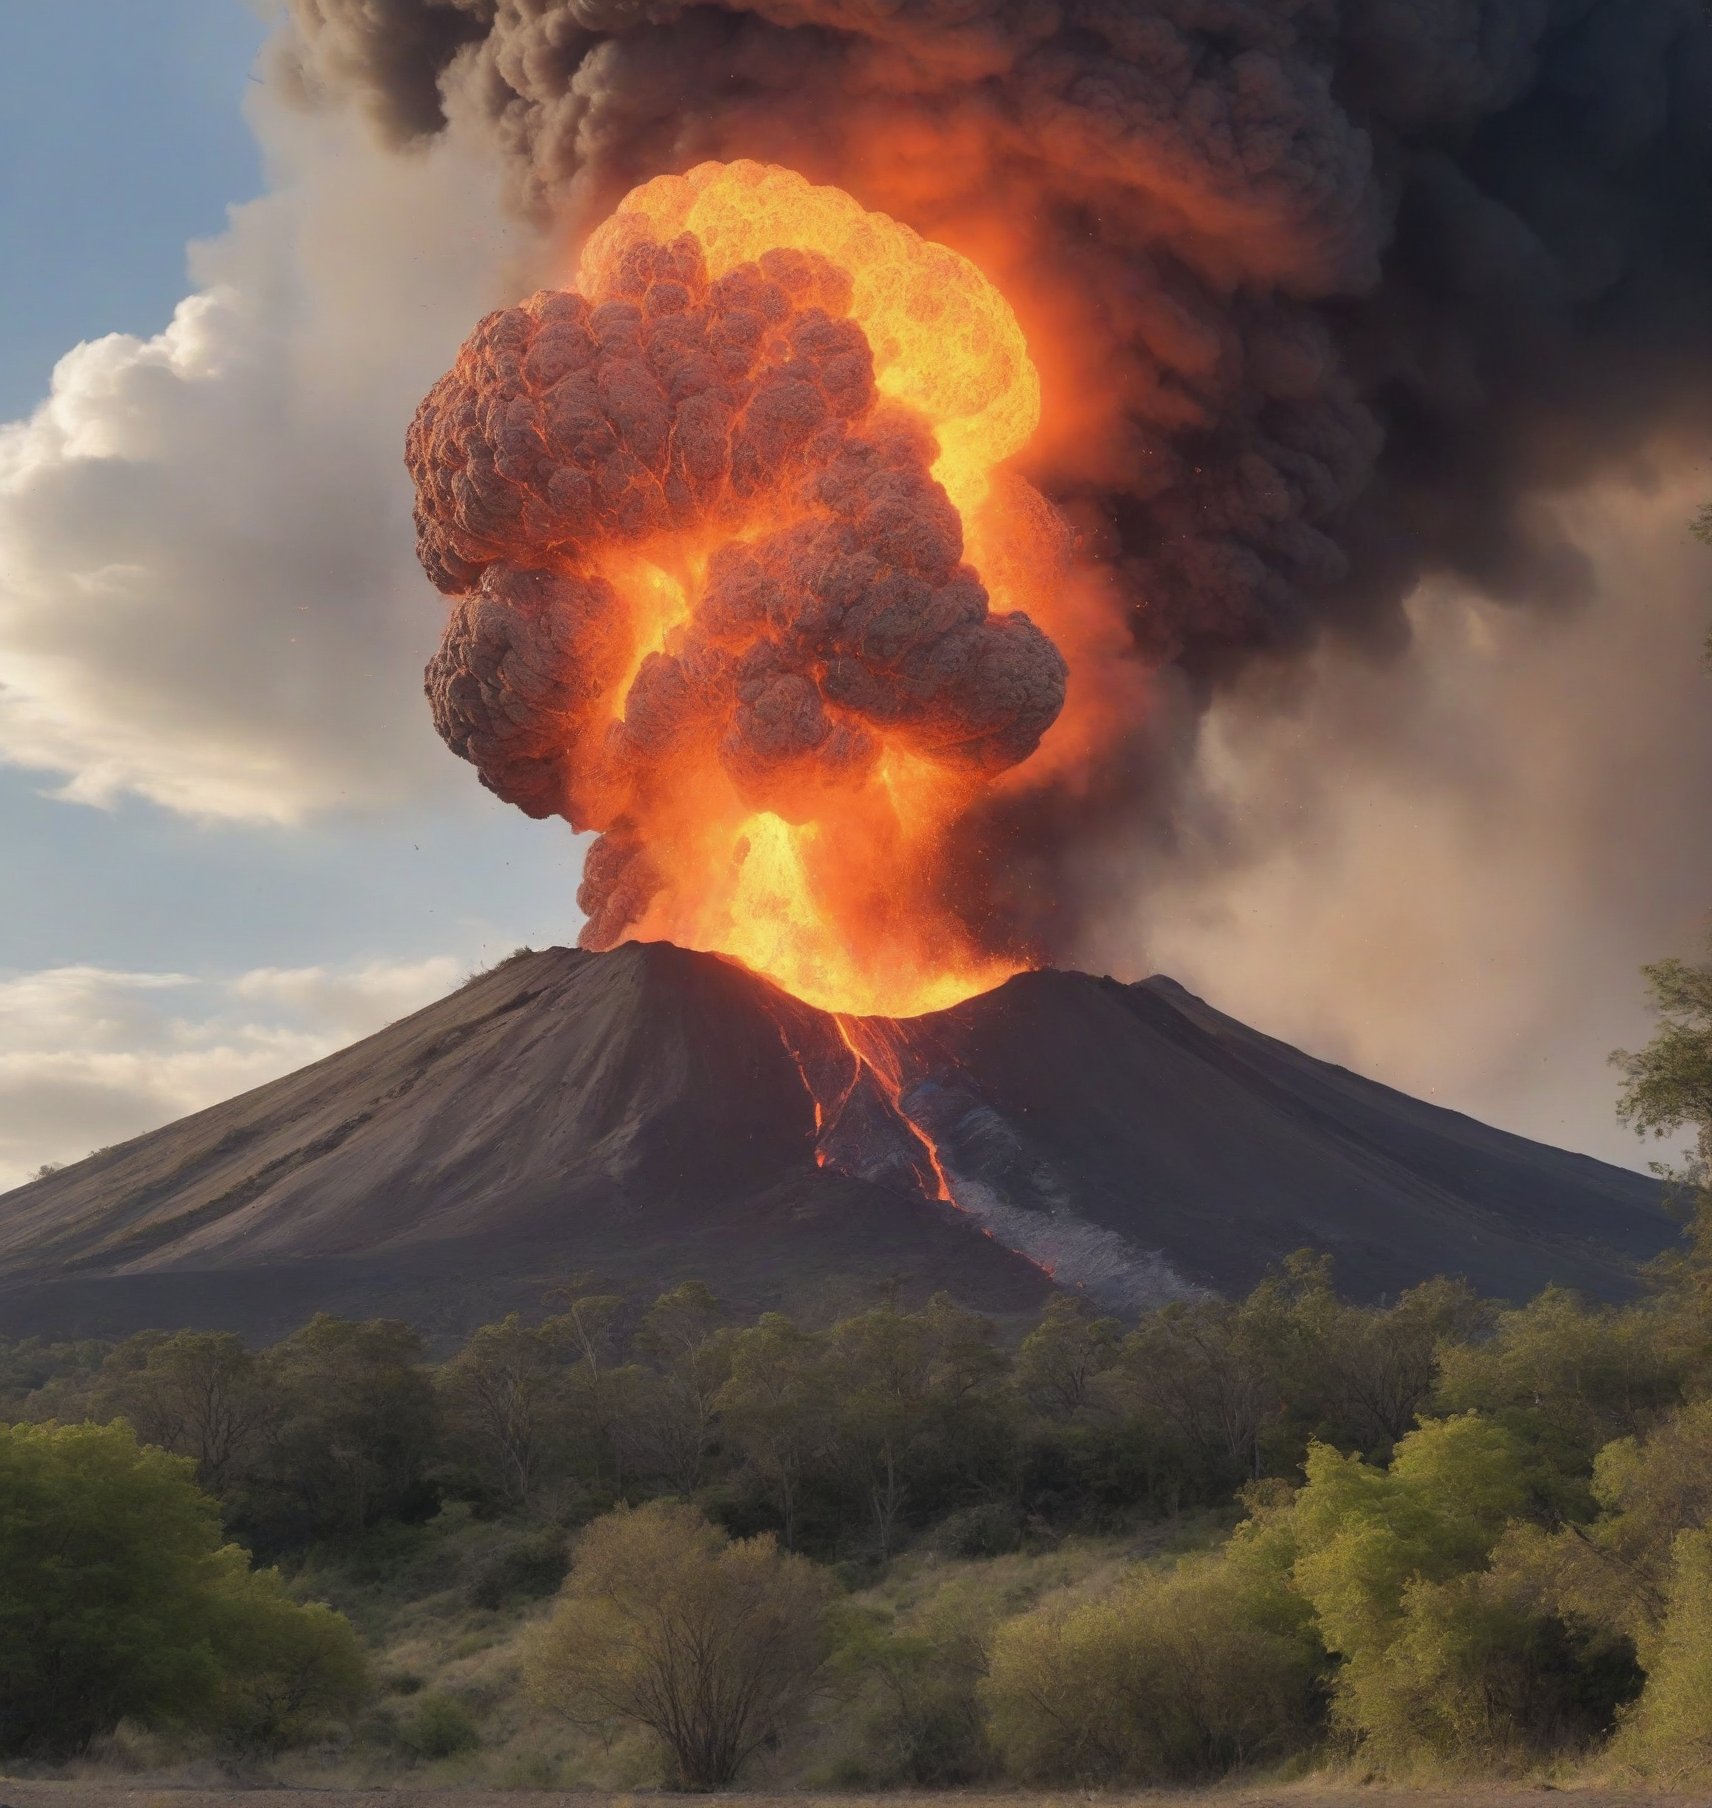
[(740, 581), (877, 1056), (856, 1072)]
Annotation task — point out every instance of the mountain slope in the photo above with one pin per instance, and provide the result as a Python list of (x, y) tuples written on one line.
[(649, 1115)]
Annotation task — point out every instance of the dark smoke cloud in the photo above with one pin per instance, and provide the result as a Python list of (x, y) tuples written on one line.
[(1337, 286), (571, 428)]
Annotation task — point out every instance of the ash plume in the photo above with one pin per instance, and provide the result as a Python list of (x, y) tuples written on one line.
[(842, 620), (1330, 293)]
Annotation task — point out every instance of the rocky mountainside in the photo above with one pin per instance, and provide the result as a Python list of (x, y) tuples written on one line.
[(648, 1115)]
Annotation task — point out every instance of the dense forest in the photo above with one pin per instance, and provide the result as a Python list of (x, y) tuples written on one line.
[(1438, 1534), (1455, 1534)]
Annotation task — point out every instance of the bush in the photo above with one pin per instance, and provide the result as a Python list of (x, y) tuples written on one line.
[(438, 1727), (290, 1670), (926, 1726), (118, 1601), (1174, 1677), (988, 1530), (1668, 1733), (665, 1623), (1445, 1660), (527, 1568)]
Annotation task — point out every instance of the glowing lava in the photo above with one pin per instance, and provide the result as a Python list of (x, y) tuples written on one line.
[(740, 579)]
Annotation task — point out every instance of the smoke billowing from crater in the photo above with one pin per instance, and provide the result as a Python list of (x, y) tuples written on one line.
[(1324, 295), (709, 590)]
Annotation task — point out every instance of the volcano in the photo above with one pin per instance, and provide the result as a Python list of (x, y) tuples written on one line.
[(634, 1118)]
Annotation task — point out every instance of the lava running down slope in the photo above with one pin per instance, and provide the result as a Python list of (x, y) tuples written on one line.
[(740, 582)]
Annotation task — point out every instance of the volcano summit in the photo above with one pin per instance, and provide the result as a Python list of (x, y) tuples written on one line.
[(649, 1114)]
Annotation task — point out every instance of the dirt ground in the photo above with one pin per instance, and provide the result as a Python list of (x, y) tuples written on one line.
[(131, 1794)]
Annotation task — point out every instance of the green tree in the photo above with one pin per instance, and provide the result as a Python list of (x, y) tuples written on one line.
[(1205, 1376), (1617, 1572), (195, 1393), (926, 1725), (1063, 1357), (511, 1407), (119, 1601), (775, 1406), (1443, 1658), (664, 1622), (914, 1397), (288, 1669), (1359, 1376), (355, 1435), (1566, 1377), (672, 1414), (1667, 1089), (1668, 1733)]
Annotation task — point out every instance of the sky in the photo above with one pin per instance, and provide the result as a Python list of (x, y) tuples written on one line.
[(152, 961), (233, 843)]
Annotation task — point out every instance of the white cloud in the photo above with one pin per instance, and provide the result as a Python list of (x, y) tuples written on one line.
[(208, 596), (91, 1055)]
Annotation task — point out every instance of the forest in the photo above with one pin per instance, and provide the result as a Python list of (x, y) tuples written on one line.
[(1439, 1533)]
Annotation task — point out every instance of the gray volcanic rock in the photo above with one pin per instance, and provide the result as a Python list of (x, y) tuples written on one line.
[(649, 1115)]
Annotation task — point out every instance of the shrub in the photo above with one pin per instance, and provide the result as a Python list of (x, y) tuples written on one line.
[(438, 1727), (666, 1623), (1668, 1733), (990, 1529), (527, 1568), (118, 1601), (926, 1726), (1445, 1660), (1175, 1676)]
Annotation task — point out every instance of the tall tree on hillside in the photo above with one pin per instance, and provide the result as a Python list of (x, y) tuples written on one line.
[(687, 1343), (776, 1407), (194, 1393), (1668, 1084)]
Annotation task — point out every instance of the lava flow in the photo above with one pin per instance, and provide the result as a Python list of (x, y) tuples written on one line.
[(856, 1085), (869, 1120), (737, 577)]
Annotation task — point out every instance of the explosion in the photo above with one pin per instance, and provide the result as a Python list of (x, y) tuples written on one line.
[(738, 581)]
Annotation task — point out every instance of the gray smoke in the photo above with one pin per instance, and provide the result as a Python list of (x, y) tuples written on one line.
[(1330, 291)]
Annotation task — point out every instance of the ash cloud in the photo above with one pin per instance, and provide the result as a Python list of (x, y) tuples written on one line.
[(1329, 292), (572, 428)]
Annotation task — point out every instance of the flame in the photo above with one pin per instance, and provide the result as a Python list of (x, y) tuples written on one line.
[(841, 909), (945, 341)]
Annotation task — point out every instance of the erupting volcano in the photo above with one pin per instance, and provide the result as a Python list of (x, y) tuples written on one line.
[(741, 583)]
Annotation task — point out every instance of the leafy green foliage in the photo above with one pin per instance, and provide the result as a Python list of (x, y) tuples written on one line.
[(1668, 1734), (118, 1600), (438, 1727), (1174, 1676), (1443, 1659)]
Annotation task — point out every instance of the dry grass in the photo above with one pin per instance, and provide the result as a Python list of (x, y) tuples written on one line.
[(18, 1793)]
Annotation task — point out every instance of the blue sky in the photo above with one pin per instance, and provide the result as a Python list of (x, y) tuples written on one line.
[(122, 138)]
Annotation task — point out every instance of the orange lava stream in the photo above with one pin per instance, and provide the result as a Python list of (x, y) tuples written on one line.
[(873, 1053)]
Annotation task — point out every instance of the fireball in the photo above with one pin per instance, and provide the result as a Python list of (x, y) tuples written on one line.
[(735, 575)]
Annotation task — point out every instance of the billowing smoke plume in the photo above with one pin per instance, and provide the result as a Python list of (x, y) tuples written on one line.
[(736, 418), (1325, 291)]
